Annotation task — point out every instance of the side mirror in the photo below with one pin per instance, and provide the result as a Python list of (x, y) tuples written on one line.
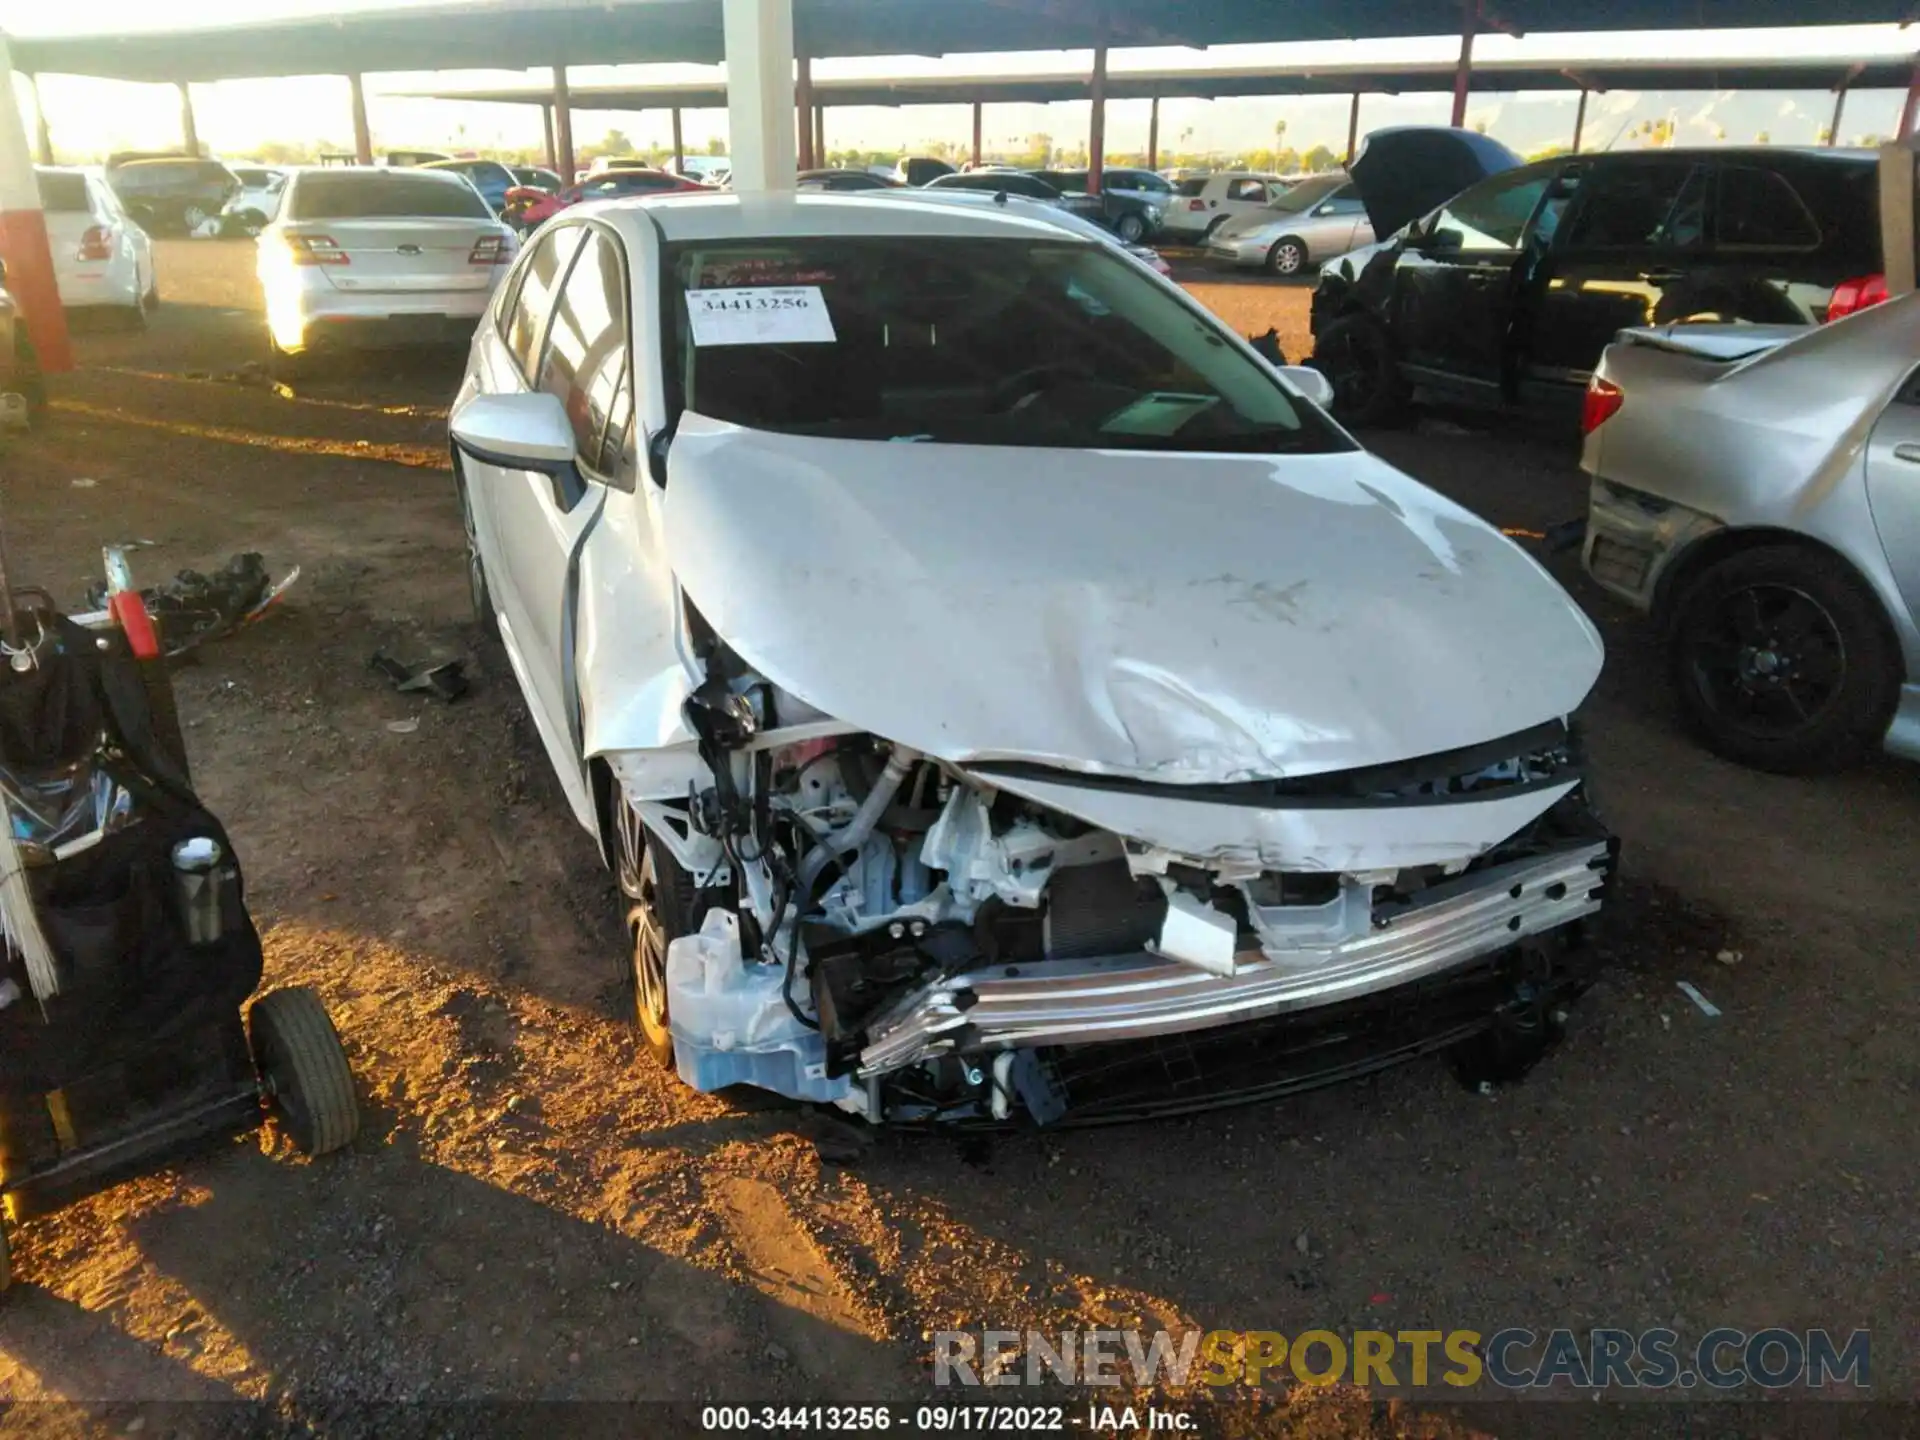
[(1326, 209), (522, 432), (1310, 382)]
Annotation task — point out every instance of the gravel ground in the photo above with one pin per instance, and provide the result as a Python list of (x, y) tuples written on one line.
[(533, 1212)]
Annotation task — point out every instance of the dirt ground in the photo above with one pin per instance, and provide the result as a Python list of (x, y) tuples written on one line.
[(532, 1211)]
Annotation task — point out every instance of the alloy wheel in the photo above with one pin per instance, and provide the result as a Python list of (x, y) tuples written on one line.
[(1770, 659), (639, 882), (1288, 258)]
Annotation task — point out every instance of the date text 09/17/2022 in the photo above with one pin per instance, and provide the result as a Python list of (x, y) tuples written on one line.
[(947, 1419)]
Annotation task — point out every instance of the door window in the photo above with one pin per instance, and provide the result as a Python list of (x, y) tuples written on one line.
[(538, 282), (1344, 201), (585, 360), (1253, 190), (1649, 204), (1492, 215), (1757, 209)]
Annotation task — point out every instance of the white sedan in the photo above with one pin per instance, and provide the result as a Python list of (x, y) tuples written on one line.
[(102, 260), (1000, 693), (363, 256)]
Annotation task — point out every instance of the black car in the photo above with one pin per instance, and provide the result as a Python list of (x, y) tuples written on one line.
[(178, 193), (843, 180), (1122, 205), (1507, 293)]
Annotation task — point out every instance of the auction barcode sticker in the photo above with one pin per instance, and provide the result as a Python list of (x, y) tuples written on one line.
[(760, 315)]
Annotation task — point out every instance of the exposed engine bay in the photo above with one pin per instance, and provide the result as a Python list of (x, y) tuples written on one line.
[(916, 940)]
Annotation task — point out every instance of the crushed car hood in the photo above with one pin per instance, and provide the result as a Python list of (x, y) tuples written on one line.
[(1404, 171), (1175, 617)]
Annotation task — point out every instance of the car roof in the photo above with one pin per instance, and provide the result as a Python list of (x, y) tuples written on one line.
[(438, 177), (794, 214)]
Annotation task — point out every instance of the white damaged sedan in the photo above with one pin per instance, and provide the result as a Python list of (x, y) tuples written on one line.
[(1001, 694)]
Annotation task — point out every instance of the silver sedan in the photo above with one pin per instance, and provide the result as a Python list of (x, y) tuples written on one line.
[(1316, 220), (1757, 489)]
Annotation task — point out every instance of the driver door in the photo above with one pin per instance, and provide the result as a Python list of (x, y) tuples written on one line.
[(538, 523), (1456, 286)]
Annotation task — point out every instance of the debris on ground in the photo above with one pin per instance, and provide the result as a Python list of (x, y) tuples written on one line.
[(193, 608), (1707, 1007), (1267, 346), (444, 680), (404, 727), (1728, 957)]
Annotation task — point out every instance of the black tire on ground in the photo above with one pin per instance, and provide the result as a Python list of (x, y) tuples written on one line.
[(1131, 228), (299, 1056), (287, 366), (1288, 256), (1356, 354), (661, 904), (192, 217), (150, 301), (134, 316), (478, 591), (1212, 225), (1783, 660)]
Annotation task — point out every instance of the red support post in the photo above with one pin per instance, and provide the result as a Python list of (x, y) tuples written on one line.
[(1463, 74)]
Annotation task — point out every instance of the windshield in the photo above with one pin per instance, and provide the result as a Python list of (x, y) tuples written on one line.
[(384, 195), (1308, 193), (966, 341)]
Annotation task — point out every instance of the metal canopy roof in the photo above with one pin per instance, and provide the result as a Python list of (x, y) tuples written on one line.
[(516, 34), (1413, 78)]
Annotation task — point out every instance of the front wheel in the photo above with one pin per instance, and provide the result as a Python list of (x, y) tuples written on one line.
[(1783, 661), (1355, 353), (1288, 257), (661, 904), (478, 591), (304, 1067), (192, 217), (1131, 228)]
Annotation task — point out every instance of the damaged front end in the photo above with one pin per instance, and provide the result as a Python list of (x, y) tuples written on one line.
[(918, 940)]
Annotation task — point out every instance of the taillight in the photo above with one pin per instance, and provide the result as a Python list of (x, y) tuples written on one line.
[(1856, 294), (1196, 205), (488, 250), (96, 243), (1603, 402), (316, 250)]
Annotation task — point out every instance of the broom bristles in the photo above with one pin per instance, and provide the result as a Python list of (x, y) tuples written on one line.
[(18, 915)]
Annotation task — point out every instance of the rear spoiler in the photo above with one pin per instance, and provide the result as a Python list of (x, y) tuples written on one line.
[(1720, 344)]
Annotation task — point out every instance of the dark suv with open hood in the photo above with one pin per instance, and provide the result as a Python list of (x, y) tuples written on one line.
[(1505, 295)]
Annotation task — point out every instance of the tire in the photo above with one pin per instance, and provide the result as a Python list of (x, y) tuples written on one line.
[(660, 904), (134, 316), (286, 365), (1212, 225), (1355, 353), (1783, 660), (300, 1059), (192, 217), (1287, 258), (478, 591), (1130, 228)]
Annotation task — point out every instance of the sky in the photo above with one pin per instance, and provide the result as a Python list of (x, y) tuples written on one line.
[(90, 117)]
